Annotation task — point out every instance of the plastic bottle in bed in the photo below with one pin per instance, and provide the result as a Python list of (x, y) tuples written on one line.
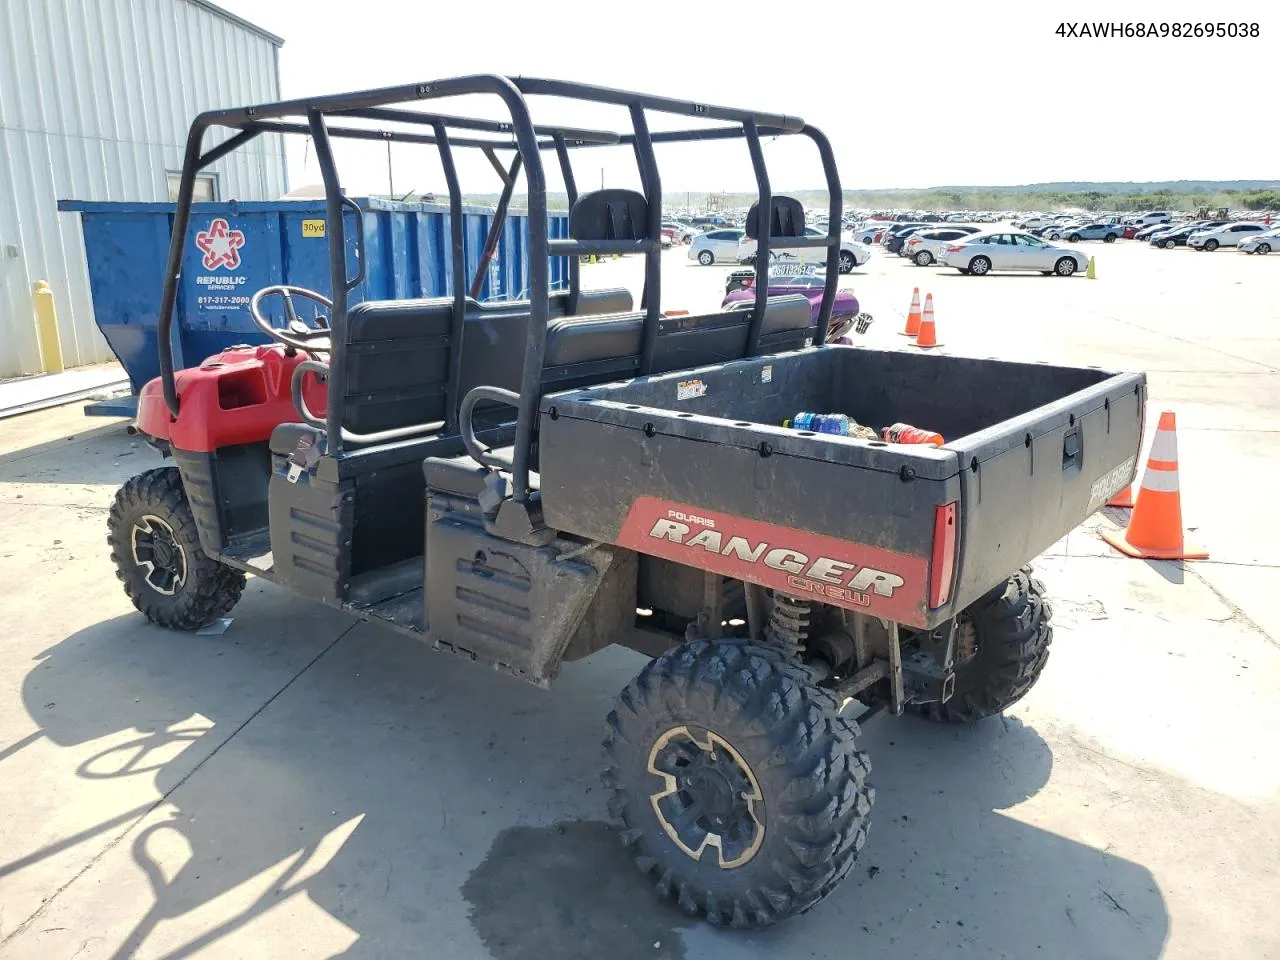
[(905, 433), (834, 423)]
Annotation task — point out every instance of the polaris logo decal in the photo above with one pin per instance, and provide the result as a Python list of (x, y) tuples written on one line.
[(796, 562)]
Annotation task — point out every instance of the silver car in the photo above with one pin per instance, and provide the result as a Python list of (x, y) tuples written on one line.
[(999, 250)]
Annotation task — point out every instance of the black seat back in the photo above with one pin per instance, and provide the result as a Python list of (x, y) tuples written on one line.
[(598, 349), (397, 367)]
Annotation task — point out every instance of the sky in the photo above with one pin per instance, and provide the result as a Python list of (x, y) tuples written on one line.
[(911, 95)]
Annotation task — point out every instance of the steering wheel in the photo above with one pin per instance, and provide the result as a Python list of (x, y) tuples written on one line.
[(297, 334)]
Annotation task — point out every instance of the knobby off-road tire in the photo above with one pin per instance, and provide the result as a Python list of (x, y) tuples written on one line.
[(156, 548), (738, 725), (1012, 631)]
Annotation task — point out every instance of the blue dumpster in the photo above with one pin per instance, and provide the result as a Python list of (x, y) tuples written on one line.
[(235, 248)]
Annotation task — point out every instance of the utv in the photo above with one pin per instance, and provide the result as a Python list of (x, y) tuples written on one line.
[(527, 482)]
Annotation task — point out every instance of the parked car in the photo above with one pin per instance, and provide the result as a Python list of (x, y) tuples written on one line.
[(1151, 219), (924, 246), (1176, 236), (808, 285), (1263, 242), (715, 245), (852, 253), (1228, 235), (893, 240), (679, 232), (870, 232), (984, 252), (1096, 230)]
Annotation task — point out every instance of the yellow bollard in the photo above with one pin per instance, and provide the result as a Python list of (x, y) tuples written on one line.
[(1091, 273), (47, 329)]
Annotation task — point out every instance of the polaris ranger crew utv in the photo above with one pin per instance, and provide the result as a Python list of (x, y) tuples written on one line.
[(527, 482)]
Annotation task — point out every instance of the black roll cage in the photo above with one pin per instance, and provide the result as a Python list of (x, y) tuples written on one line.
[(528, 141)]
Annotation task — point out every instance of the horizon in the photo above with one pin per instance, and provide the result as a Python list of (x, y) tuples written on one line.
[(1092, 123)]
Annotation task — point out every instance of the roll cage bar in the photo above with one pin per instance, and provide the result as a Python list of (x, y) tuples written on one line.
[(528, 141)]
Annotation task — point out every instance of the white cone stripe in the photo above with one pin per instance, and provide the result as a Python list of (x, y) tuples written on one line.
[(1164, 446), (1160, 481)]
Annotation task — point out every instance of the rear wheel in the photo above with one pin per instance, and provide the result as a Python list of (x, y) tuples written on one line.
[(923, 258), (979, 266), (706, 258), (156, 548), (1002, 648), (847, 262), (739, 785), (1109, 238), (1065, 267), (1211, 245)]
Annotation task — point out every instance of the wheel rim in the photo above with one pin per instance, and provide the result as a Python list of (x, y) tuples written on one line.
[(158, 554), (1066, 268), (704, 258), (923, 258), (709, 798), (846, 262), (979, 266), (1264, 248)]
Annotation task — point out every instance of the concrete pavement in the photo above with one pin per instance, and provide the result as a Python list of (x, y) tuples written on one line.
[(305, 785)]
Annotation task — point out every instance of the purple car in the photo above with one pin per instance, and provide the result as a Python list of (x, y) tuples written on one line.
[(807, 285)]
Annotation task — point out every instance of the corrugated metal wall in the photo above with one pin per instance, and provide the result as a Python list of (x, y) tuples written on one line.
[(95, 100)]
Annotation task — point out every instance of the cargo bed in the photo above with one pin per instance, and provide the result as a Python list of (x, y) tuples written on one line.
[(696, 467)]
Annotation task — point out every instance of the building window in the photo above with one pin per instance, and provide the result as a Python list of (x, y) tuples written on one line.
[(206, 186)]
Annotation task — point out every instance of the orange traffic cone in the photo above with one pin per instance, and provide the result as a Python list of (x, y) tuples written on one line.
[(913, 318), (928, 336), (1155, 529), (1122, 499)]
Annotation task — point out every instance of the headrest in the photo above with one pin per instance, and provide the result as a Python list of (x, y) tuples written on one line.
[(787, 219), (609, 215)]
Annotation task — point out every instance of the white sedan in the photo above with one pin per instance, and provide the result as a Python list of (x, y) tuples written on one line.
[(983, 252), (715, 246), (1261, 242), (852, 253)]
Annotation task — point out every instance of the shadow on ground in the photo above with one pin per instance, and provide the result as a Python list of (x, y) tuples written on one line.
[(104, 454), (423, 803)]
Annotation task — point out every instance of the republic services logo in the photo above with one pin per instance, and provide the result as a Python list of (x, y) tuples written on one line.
[(221, 245)]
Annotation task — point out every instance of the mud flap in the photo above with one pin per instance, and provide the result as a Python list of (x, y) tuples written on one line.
[(512, 605)]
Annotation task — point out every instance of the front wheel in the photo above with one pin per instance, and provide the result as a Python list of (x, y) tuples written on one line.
[(1170, 244), (1065, 267), (706, 258), (847, 262), (924, 258), (1263, 248), (1211, 245), (739, 785), (979, 266), (156, 548), (1001, 649)]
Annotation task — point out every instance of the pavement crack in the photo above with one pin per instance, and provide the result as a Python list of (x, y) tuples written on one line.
[(1116, 904), (111, 844)]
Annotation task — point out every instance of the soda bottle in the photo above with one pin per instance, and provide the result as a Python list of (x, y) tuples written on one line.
[(905, 433)]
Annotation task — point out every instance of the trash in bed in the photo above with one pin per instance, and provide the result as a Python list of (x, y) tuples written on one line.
[(832, 423), (905, 433), (217, 628)]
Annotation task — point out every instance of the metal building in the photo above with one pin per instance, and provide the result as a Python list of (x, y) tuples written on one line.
[(95, 100)]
